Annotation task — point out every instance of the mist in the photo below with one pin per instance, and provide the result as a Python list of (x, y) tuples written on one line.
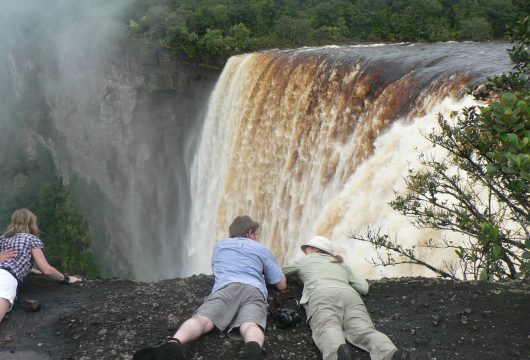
[(116, 114)]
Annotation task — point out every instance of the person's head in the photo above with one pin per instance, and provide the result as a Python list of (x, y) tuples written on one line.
[(23, 221), (243, 226), (322, 245)]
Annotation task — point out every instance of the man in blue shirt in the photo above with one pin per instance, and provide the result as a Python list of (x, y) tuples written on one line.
[(238, 302)]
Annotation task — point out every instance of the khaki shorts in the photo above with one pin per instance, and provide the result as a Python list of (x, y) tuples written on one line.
[(233, 305), (8, 287)]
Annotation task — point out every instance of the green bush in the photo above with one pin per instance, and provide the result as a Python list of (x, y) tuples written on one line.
[(486, 197), (475, 28)]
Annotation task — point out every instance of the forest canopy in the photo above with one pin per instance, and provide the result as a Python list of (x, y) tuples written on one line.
[(225, 27)]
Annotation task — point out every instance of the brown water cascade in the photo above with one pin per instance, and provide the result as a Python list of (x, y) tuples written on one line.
[(315, 141)]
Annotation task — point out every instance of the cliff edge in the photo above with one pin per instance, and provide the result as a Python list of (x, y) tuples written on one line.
[(110, 319)]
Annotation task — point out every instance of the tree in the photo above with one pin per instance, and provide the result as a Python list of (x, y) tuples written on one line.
[(293, 30), (417, 19), (475, 28), (329, 13), (240, 37), (178, 25), (370, 20), (213, 41), (482, 188), (499, 13)]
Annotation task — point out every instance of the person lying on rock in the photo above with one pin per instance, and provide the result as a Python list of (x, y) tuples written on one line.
[(18, 246), (238, 300), (334, 309)]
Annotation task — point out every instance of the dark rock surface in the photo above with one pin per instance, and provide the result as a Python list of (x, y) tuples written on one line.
[(110, 319)]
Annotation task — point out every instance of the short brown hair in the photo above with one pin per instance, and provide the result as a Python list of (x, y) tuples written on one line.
[(241, 226)]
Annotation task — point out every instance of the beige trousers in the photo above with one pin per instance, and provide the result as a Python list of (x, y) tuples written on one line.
[(338, 315)]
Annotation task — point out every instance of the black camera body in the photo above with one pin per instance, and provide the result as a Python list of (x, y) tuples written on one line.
[(286, 317)]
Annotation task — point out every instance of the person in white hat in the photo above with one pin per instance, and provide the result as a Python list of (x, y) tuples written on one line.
[(334, 308)]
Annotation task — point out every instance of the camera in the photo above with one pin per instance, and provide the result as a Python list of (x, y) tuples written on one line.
[(285, 318)]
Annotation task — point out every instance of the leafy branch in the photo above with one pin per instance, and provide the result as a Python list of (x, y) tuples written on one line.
[(481, 189)]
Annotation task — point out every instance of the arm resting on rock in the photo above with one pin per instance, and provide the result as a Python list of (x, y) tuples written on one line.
[(359, 284), (48, 270)]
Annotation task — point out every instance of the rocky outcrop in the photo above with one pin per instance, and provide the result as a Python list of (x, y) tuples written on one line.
[(110, 319)]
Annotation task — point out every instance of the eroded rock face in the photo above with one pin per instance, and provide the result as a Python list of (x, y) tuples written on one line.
[(137, 146), (110, 319), (138, 149), (125, 120)]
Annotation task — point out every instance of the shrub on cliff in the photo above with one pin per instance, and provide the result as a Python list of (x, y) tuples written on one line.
[(482, 188)]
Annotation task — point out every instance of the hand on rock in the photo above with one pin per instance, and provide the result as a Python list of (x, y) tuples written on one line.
[(75, 279)]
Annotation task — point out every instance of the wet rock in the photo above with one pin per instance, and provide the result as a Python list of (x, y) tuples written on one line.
[(487, 313), (435, 319), (514, 352), (420, 340), (117, 307), (481, 91), (30, 305), (172, 321)]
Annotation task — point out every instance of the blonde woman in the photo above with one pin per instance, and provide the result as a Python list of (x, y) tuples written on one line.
[(334, 308), (19, 245)]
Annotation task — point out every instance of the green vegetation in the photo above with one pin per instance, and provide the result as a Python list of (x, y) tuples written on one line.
[(201, 28), (28, 182), (28, 179), (482, 188)]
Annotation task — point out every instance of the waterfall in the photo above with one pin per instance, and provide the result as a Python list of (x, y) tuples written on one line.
[(306, 141), (316, 140)]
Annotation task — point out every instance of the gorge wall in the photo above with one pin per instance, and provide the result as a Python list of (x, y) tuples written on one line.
[(119, 115), (133, 134)]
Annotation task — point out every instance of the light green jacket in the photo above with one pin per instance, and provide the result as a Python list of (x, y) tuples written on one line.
[(317, 271)]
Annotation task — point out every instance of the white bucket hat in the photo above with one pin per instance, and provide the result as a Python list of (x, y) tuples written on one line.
[(319, 242)]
